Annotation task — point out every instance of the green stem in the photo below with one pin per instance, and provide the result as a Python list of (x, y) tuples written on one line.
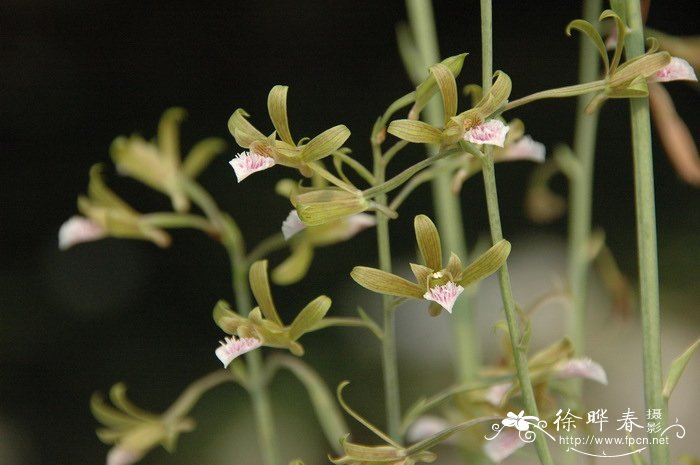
[(232, 240), (178, 220), (561, 92), (383, 187), (581, 195), (447, 205), (392, 397), (519, 356), (194, 391), (646, 235), (355, 165), (265, 247)]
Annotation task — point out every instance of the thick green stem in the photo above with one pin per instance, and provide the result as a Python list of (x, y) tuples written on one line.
[(519, 355), (646, 235), (448, 209), (232, 240), (392, 397), (581, 193)]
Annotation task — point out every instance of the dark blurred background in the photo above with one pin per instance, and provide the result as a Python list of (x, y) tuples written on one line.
[(76, 74)]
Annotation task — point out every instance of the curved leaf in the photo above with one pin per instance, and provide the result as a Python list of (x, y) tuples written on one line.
[(448, 89), (309, 316)]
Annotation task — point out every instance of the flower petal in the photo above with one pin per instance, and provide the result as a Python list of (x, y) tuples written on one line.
[(582, 368), (232, 347), (247, 163), (677, 70), (491, 132), (503, 445), (425, 427), (524, 148), (79, 229), (496, 393), (445, 295), (292, 225)]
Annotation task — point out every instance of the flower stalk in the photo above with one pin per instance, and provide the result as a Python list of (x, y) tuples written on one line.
[(232, 240), (646, 234), (519, 356)]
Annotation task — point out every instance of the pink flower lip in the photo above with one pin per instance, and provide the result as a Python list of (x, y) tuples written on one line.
[(247, 163)]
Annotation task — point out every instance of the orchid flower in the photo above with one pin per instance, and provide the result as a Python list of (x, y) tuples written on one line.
[(435, 283), (263, 325)]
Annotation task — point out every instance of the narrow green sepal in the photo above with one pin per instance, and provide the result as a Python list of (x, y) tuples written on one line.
[(242, 130), (385, 283), (427, 88), (415, 131), (593, 34), (309, 316), (487, 263), (448, 89), (260, 286), (676, 370), (325, 143), (428, 241), (277, 108), (295, 267), (201, 155)]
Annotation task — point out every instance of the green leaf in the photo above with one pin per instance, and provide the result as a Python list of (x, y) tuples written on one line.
[(635, 89), (325, 143), (109, 416), (260, 286), (428, 241), (677, 368), (415, 131), (201, 155), (486, 264), (309, 316), (385, 283), (277, 107), (242, 130), (593, 34), (448, 89)]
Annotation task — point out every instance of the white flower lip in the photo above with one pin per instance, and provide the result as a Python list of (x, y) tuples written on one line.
[(445, 295), (524, 148), (232, 347), (491, 132), (292, 225), (677, 70), (247, 163), (77, 230)]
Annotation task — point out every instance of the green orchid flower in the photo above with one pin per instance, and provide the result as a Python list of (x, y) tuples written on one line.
[(263, 325), (440, 285), (158, 164)]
